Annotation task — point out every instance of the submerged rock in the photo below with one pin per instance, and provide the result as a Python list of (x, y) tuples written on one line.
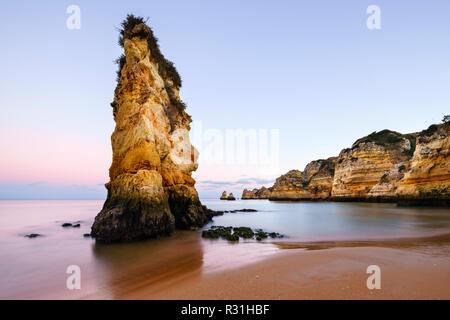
[(233, 234), (73, 225), (244, 232), (151, 191), (33, 235), (241, 210)]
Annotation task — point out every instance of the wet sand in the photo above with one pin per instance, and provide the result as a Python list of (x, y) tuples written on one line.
[(414, 268), (185, 266)]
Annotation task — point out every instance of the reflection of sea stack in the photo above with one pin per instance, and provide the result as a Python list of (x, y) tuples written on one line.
[(231, 197), (223, 196), (151, 190)]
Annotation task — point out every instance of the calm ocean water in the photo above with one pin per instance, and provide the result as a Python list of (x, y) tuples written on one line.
[(36, 268)]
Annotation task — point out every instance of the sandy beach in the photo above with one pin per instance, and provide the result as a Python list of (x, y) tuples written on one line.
[(410, 269)]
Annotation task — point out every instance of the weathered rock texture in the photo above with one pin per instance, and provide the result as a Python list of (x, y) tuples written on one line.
[(384, 166), (261, 193), (151, 191), (231, 196), (428, 179), (361, 168), (313, 183)]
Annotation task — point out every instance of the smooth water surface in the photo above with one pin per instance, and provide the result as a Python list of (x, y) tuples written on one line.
[(36, 268)]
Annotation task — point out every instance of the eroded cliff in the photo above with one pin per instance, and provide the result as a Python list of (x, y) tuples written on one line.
[(151, 191), (313, 183), (428, 179), (360, 168), (383, 166)]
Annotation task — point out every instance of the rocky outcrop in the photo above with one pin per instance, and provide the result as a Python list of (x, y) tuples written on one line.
[(313, 183), (223, 196), (151, 191), (384, 166), (231, 196), (428, 179), (262, 193), (360, 168)]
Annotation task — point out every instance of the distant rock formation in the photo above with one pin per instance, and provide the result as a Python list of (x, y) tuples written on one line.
[(262, 193), (231, 197), (151, 191), (313, 183), (223, 196), (384, 166)]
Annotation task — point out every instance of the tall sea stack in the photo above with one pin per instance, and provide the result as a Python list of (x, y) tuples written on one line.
[(151, 191)]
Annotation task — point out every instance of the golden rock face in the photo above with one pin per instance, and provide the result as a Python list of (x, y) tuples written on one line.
[(151, 190), (262, 193), (384, 166), (429, 175), (313, 183), (359, 169)]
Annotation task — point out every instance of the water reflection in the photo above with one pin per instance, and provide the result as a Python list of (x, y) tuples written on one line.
[(154, 264), (309, 221), (36, 268)]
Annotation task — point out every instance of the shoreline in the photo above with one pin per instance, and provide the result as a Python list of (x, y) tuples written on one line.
[(435, 203), (437, 239), (412, 268)]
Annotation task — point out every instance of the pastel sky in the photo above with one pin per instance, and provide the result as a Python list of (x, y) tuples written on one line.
[(310, 70)]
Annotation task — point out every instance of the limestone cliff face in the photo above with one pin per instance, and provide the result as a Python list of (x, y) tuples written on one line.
[(428, 179), (383, 166), (261, 193), (313, 183), (151, 190), (361, 168)]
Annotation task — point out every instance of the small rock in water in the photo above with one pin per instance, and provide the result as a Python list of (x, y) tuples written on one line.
[(244, 232), (87, 235), (241, 210), (233, 234), (33, 235), (73, 225)]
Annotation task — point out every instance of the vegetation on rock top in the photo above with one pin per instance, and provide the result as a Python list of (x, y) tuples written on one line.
[(388, 138), (165, 67)]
